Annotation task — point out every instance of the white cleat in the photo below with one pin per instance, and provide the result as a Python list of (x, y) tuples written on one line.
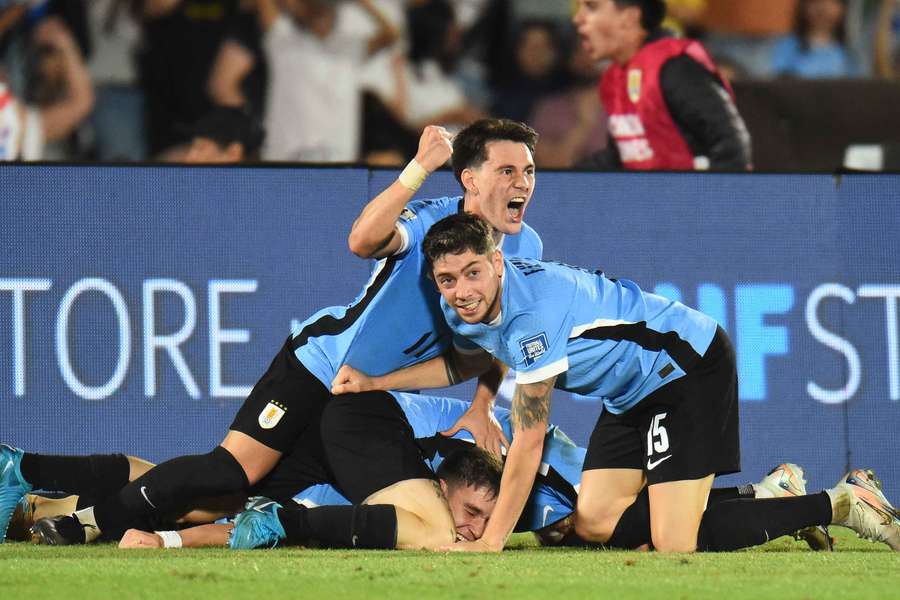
[(787, 480), (870, 514), (783, 481)]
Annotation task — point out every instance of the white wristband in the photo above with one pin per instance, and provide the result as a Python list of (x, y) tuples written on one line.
[(171, 539), (413, 176)]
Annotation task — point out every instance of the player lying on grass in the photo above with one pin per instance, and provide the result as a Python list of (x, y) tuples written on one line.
[(668, 380), (548, 511), (393, 323)]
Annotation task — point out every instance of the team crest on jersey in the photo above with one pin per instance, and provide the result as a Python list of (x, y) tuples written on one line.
[(533, 347), (407, 215), (635, 76), (271, 415)]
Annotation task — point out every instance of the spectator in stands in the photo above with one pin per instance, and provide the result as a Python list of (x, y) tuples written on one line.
[(224, 135), (572, 123), (315, 51), (59, 95), (668, 107), (684, 17), (536, 71), (117, 122), (887, 40), (817, 47), (181, 41)]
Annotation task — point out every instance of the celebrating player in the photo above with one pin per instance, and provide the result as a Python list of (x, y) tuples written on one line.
[(395, 322), (668, 380)]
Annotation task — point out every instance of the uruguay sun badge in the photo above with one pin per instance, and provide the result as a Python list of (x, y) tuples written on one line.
[(270, 415), (634, 84)]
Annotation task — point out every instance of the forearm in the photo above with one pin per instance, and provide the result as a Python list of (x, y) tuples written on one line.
[(489, 384), (441, 371), (61, 118), (386, 35), (521, 466), (375, 226), (529, 415), (204, 536)]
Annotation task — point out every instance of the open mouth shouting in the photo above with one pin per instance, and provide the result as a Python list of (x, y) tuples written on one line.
[(516, 209)]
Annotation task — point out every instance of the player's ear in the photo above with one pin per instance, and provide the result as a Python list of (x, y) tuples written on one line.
[(631, 16), (444, 487), (497, 259), (468, 180)]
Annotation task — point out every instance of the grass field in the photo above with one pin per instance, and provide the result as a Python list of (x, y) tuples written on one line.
[(782, 569)]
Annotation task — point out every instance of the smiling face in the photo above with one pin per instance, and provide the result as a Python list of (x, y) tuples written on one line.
[(500, 189), (470, 283), (608, 31), (471, 508)]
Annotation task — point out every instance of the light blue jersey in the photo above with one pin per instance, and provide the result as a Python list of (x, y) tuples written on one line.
[(396, 320), (559, 476), (600, 337)]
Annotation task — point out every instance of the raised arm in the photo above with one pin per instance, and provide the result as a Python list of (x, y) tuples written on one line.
[(374, 233), (530, 414), (63, 116)]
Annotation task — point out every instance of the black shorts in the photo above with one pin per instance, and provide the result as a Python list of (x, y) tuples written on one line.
[(284, 403), (687, 429), (370, 445), (302, 467)]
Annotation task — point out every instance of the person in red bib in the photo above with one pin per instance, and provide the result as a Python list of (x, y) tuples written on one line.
[(668, 106)]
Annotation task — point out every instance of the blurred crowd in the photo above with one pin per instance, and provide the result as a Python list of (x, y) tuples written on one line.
[(356, 80)]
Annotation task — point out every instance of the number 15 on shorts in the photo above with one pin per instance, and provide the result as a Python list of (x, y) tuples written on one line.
[(657, 441)]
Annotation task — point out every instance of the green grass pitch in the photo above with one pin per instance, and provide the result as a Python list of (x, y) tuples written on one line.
[(782, 569)]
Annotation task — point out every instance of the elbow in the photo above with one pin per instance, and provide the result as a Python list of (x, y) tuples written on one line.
[(359, 245)]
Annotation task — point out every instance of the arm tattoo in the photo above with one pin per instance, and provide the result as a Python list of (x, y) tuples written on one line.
[(531, 405), (453, 376)]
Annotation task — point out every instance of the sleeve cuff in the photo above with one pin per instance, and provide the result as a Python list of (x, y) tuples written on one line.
[(404, 239), (544, 373)]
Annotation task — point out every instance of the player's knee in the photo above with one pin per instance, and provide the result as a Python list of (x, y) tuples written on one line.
[(594, 528), (674, 540)]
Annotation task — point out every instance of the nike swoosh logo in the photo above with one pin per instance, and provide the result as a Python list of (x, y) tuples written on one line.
[(653, 464), (547, 511), (144, 494)]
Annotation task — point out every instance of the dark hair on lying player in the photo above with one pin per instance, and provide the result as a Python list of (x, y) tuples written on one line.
[(652, 11), (474, 467), (470, 144), (456, 234)]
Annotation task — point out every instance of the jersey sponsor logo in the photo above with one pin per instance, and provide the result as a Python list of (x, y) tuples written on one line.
[(271, 415), (407, 214), (634, 84), (637, 150), (534, 347), (626, 126)]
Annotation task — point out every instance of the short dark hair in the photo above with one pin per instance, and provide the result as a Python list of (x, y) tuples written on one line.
[(456, 234), (226, 125), (472, 466), (652, 11), (470, 144), (802, 26)]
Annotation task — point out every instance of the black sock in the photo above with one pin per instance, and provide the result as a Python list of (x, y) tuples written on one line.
[(733, 493), (734, 524), (633, 528), (168, 486), (372, 526), (93, 475)]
